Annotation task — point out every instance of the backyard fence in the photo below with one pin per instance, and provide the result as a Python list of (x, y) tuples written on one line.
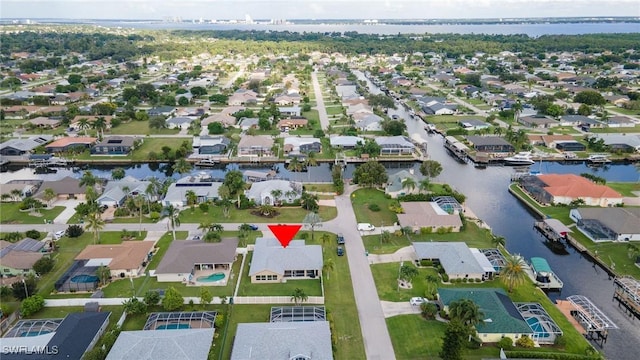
[(317, 300)]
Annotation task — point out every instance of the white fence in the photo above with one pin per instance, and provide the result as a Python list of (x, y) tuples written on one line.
[(110, 301), (317, 300)]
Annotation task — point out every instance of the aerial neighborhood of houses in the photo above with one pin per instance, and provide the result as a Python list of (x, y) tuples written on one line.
[(136, 195)]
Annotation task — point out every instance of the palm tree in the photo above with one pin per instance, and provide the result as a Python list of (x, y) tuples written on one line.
[(88, 179), (424, 185), (276, 193), (181, 166), (498, 241), (312, 220), (49, 195), (428, 310), (266, 209), (216, 228), (138, 201), (192, 199), (16, 195), (100, 124), (299, 296), (497, 130), (325, 239), (311, 159), (95, 224), (633, 252), (409, 184), (466, 311), (430, 168), (104, 274), (517, 109), (295, 165), (512, 272), (407, 273), (328, 267), (290, 194), (83, 124), (174, 219), (117, 173)]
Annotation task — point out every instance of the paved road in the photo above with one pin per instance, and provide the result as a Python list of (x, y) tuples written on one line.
[(322, 110), (377, 342)]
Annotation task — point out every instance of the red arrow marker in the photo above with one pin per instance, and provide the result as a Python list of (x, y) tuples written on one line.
[(284, 233)]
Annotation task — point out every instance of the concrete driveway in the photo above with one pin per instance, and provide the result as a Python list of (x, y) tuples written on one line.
[(405, 254), (68, 212), (390, 308)]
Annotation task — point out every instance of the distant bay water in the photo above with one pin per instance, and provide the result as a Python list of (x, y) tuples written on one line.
[(531, 29)]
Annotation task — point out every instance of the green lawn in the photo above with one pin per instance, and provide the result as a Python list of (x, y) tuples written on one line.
[(625, 188), (626, 130), (10, 213), (286, 215), (310, 287), (414, 337), (334, 110), (472, 234), (155, 144), (312, 115), (241, 314), (386, 278), (362, 198), (140, 128), (328, 187)]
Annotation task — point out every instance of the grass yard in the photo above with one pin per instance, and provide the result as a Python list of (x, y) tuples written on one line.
[(386, 278), (241, 314), (362, 198), (327, 187), (155, 144), (140, 128), (414, 337), (312, 115), (286, 215), (614, 130), (10, 213), (334, 110), (625, 188)]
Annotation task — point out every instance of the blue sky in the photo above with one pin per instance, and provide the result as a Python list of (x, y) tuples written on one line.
[(313, 9)]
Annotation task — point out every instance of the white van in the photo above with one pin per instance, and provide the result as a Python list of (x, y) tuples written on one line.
[(365, 227)]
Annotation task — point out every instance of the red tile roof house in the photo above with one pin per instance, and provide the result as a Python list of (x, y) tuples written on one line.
[(69, 143), (565, 188)]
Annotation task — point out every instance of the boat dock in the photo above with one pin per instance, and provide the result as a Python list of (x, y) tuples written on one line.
[(552, 229), (540, 272), (627, 293), (457, 149)]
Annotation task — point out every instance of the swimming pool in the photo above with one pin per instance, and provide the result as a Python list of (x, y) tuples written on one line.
[(211, 278), (537, 327), (84, 278), (33, 333), (173, 326)]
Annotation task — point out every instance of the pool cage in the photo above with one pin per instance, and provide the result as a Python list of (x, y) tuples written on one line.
[(627, 293), (532, 185), (181, 320), (64, 283), (591, 318), (596, 230), (28, 328), (448, 204), (495, 257), (545, 330), (298, 313)]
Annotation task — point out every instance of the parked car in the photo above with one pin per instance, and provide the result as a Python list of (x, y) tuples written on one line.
[(417, 301), (365, 227), (253, 226), (340, 239), (59, 234), (340, 251)]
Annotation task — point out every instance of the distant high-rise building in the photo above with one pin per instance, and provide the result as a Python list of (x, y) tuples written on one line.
[(247, 19)]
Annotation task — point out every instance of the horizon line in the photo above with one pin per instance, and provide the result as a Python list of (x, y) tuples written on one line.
[(334, 19)]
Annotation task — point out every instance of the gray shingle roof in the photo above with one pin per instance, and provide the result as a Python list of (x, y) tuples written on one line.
[(269, 254), (622, 220), (182, 255), (455, 257), (287, 340), (185, 344)]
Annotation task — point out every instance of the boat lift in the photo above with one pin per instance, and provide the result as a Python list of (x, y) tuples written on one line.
[(627, 293), (591, 318)]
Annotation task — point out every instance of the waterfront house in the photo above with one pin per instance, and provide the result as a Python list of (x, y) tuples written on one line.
[(395, 145), (185, 260), (301, 145), (18, 258), (395, 183), (629, 143), (210, 145), (571, 145), (345, 142), (273, 263), (435, 108), (428, 215), (608, 224), (262, 192), (258, 145), (117, 191), (127, 259), (204, 188), (538, 122), (502, 317), (297, 340), (65, 188), (490, 144), (368, 122), (70, 144), (456, 258), (567, 188), (16, 147), (473, 124), (114, 145)]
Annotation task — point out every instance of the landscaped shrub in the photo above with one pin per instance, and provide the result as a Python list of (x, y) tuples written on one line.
[(43, 265), (204, 207), (426, 263), (525, 342), (505, 343), (374, 207), (12, 236), (33, 233), (549, 355), (73, 231), (478, 280), (154, 216), (426, 230), (32, 305), (121, 211)]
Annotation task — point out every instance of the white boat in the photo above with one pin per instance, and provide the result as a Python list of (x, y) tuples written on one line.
[(521, 158), (598, 158)]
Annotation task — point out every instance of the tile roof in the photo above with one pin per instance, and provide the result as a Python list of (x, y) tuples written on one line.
[(575, 186), (455, 257), (426, 214), (66, 141)]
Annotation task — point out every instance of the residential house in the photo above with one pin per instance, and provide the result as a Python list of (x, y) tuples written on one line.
[(456, 258), (44, 122), (249, 123), (359, 108), (368, 122), (204, 188), (114, 145), (162, 111), (574, 120), (490, 144), (538, 122), (186, 260), (503, 319), (345, 142), (567, 188), (428, 215), (296, 341), (290, 111), (16, 147), (571, 145), (127, 259), (258, 145), (273, 263), (155, 342), (346, 91), (292, 124), (262, 192), (287, 99), (225, 119), (65, 188), (474, 124), (26, 188), (210, 145), (621, 142), (68, 338), (435, 108), (620, 121), (18, 258), (395, 185), (181, 122), (117, 191), (70, 144), (549, 141), (301, 145), (243, 97), (395, 145), (608, 224)]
